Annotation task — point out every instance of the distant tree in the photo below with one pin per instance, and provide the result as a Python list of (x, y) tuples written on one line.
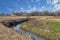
[(58, 13), (2, 14), (35, 13), (52, 14), (46, 13)]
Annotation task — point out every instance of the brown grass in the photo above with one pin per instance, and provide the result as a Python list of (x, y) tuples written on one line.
[(9, 34)]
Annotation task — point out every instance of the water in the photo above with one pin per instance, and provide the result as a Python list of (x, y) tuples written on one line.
[(33, 36)]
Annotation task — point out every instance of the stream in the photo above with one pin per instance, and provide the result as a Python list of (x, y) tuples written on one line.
[(26, 33)]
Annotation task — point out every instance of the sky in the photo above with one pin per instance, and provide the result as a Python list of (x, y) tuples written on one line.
[(7, 6)]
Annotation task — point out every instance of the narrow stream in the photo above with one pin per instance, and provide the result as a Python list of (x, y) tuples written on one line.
[(33, 36)]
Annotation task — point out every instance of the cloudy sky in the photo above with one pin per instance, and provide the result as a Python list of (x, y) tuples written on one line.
[(29, 5)]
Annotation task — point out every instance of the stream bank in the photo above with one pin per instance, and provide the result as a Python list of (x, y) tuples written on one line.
[(15, 25), (26, 33)]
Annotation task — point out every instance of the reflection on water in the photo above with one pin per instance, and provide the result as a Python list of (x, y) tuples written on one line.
[(33, 36)]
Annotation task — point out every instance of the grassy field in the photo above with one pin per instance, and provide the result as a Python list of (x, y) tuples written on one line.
[(48, 27), (43, 26), (19, 17)]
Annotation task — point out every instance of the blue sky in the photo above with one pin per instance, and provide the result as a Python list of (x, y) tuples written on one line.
[(28, 5)]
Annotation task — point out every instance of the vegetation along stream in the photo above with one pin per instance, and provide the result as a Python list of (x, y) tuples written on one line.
[(23, 32), (33, 36)]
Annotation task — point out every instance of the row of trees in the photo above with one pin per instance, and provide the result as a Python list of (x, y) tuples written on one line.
[(45, 13)]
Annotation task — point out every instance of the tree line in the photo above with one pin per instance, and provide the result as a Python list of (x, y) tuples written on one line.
[(36, 13)]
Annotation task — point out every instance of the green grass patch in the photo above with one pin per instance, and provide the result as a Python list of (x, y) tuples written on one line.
[(50, 31)]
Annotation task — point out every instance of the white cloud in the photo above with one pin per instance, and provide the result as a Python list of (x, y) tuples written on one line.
[(55, 4), (10, 9), (39, 3), (22, 8), (48, 1), (37, 0), (56, 7), (42, 8), (29, 6), (32, 8), (52, 1)]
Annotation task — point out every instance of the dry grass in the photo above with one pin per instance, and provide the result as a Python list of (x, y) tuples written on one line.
[(8, 34)]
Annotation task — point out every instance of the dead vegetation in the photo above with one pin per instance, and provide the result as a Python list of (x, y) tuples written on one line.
[(36, 23), (9, 34)]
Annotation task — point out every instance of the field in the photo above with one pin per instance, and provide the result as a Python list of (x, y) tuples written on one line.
[(47, 27), (43, 26)]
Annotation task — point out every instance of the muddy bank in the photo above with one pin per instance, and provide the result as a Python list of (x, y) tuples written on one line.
[(12, 23)]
